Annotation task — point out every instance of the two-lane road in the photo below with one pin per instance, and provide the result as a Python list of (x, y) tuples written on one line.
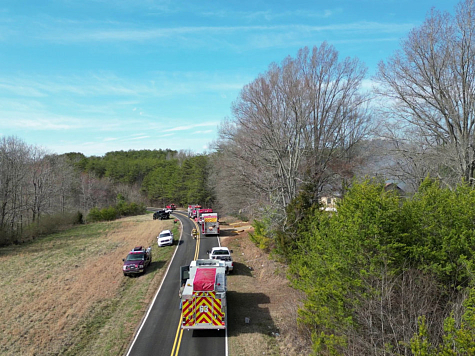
[(160, 333)]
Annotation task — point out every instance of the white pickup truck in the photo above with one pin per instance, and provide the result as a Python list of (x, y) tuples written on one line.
[(223, 254)]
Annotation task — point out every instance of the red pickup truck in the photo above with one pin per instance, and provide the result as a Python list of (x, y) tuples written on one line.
[(137, 261)]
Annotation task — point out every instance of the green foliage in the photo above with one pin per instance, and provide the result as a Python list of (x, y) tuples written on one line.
[(440, 236), (160, 183), (163, 175), (420, 345), (122, 208), (332, 257), (328, 344), (94, 215), (110, 213), (458, 337), (297, 212), (260, 235)]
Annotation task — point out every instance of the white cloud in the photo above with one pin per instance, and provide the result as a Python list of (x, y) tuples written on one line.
[(270, 15), (139, 138), (102, 84), (64, 31), (188, 127), (16, 121)]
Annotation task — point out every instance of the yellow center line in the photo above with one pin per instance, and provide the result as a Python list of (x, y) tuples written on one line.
[(197, 250), (179, 331), (179, 334)]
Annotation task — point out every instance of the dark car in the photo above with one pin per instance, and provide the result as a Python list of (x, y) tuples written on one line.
[(137, 261), (161, 215)]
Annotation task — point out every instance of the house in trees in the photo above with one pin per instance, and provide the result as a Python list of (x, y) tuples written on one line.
[(394, 187), (328, 201)]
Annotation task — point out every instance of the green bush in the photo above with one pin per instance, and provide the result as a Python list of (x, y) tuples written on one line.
[(259, 236), (94, 215), (342, 260), (114, 212), (110, 213), (458, 337)]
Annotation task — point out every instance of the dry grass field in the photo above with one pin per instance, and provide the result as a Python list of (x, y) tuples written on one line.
[(66, 295)]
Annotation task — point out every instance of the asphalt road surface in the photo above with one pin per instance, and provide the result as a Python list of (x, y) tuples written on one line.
[(160, 332)]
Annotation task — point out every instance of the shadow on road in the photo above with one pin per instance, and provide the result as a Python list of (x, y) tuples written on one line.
[(208, 333)]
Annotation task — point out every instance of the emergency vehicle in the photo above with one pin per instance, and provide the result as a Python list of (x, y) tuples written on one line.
[(203, 295), (192, 210), (210, 224), (199, 214)]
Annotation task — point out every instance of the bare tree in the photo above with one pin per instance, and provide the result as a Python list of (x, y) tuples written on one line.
[(14, 157), (43, 185), (291, 122), (429, 85), (94, 192), (66, 179)]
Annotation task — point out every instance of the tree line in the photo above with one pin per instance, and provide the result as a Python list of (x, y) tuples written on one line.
[(40, 192)]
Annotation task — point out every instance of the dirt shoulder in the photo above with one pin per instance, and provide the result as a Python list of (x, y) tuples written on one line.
[(262, 308)]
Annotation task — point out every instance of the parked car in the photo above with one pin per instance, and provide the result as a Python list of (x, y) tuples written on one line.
[(161, 215), (165, 238), (137, 261)]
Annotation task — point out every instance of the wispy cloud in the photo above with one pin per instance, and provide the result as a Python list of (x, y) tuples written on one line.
[(48, 29), (270, 15), (103, 84), (189, 127), (39, 123), (180, 33), (139, 137)]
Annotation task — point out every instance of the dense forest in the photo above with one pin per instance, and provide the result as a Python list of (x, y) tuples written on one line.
[(390, 272)]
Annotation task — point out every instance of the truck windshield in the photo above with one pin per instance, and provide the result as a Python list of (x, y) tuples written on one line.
[(221, 253), (135, 257)]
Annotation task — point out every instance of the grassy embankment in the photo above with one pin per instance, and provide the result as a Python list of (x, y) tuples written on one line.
[(66, 294)]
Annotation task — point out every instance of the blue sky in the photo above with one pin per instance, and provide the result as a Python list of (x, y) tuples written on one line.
[(95, 76)]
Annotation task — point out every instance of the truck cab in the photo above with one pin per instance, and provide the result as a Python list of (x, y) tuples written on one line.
[(222, 254), (137, 261)]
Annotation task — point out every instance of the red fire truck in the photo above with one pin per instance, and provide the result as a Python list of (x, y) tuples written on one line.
[(203, 295)]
